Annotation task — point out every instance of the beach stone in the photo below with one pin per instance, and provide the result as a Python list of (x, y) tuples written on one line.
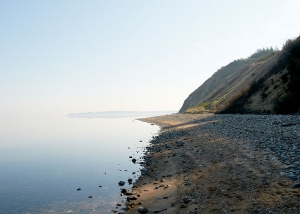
[(121, 183), (296, 185), (130, 193), (183, 205), (142, 210), (188, 183), (131, 198), (131, 204), (133, 160), (186, 199)]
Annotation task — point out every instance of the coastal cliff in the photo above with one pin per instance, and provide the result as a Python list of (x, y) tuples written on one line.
[(265, 82)]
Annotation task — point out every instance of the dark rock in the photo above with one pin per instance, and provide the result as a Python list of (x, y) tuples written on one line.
[(186, 200), (296, 185), (158, 211), (183, 205), (133, 160), (121, 183), (78, 189), (142, 210), (130, 193), (131, 198)]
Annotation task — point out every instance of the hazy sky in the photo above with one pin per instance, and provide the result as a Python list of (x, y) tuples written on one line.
[(59, 57)]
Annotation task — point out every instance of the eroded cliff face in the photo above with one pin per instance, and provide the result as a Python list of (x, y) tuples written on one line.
[(266, 82), (226, 82)]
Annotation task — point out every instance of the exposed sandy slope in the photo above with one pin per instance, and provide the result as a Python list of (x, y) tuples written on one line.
[(211, 173)]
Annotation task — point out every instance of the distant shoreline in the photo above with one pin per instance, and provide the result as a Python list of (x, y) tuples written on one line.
[(119, 114)]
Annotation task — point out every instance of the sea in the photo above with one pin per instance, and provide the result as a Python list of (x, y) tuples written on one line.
[(69, 164)]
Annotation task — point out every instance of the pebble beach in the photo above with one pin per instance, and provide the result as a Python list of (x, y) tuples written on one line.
[(207, 163)]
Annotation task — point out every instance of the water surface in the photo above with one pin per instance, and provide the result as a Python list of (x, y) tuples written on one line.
[(43, 160)]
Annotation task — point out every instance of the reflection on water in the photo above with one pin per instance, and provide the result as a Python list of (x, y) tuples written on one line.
[(44, 160)]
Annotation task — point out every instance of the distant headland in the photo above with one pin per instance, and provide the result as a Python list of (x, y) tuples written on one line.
[(119, 114)]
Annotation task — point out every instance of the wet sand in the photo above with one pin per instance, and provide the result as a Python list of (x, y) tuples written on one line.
[(194, 166)]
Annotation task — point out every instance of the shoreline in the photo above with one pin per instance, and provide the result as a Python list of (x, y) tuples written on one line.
[(221, 164)]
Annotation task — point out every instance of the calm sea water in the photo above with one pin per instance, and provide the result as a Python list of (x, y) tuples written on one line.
[(43, 160)]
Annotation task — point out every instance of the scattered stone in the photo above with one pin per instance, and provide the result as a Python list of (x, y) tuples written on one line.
[(186, 200), (90, 196), (78, 189), (183, 205), (158, 211), (142, 210), (121, 183), (130, 193), (131, 204), (131, 198), (187, 183), (296, 185)]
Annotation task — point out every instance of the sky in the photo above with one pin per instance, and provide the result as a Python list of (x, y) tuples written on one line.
[(68, 56)]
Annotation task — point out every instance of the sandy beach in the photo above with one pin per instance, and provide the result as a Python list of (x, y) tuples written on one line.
[(221, 164)]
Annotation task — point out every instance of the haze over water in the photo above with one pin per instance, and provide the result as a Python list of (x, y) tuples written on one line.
[(43, 160)]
